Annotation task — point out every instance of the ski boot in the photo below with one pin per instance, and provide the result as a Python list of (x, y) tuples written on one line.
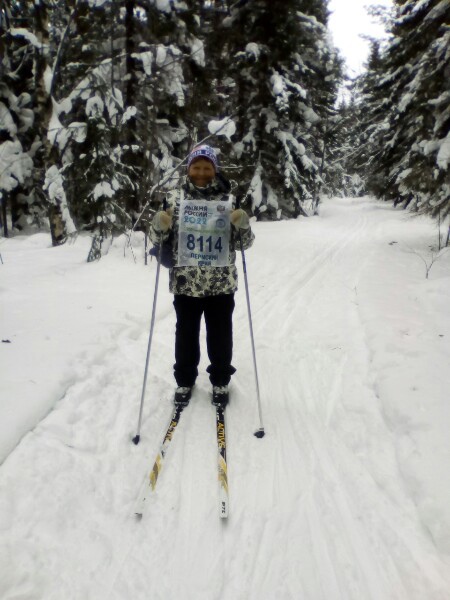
[(182, 396), (220, 396)]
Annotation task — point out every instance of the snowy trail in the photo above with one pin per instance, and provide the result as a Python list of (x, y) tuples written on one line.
[(324, 507)]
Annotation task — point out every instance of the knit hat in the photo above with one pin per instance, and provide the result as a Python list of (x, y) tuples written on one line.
[(203, 151)]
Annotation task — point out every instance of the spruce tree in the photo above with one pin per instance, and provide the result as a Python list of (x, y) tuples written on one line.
[(118, 111), (409, 115), (17, 127), (280, 58), (112, 96), (366, 116)]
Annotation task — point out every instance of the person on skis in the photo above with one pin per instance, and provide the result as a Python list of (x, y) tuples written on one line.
[(203, 229)]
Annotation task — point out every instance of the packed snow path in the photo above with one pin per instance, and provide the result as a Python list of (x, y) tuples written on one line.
[(345, 498)]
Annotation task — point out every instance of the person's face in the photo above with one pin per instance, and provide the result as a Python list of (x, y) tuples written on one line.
[(201, 172)]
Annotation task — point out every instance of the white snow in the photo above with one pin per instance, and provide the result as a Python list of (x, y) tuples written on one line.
[(437, 11), (256, 188), (15, 165), (287, 139), (147, 60), (429, 147), (345, 498), (54, 186), (403, 175), (253, 49), (309, 114), (278, 86), (443, 156), (94, 106), (197, 51), (59, 135), (168, 60), (307, 163), (78, 131), (114, 102), (302, 93), (103, 189), (225, 127), (6, 120), (163, 5), (130, 112), (26, 34), (48, 79), (161, 55), (406, 100)]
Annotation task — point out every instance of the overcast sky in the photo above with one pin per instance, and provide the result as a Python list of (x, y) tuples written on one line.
[(348, 20)]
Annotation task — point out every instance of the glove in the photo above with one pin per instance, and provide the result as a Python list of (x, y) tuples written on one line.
[(162, 221), (239, 219)]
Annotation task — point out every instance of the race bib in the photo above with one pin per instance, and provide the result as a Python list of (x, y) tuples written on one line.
[(204, 233)]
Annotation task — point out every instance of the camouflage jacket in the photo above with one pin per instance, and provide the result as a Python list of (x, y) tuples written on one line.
[(202, 281)]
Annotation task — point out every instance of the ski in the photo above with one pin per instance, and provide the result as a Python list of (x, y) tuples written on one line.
[(150, 481), (222, 462)]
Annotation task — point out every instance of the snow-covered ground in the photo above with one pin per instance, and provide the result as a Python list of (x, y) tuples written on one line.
[(347, 497)]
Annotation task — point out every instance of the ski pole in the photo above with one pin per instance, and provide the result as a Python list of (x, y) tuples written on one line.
[(259, 433), (137, 437)]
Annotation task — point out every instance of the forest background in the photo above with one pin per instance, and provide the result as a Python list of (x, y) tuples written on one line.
[(101, 101)]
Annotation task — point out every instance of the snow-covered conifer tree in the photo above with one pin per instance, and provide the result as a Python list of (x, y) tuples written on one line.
[(363, 121), (46, 70), (118, 111), (281, 57), (17, 143), (410, 120)]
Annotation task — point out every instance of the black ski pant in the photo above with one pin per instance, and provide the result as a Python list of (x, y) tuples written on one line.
[(218, 312)]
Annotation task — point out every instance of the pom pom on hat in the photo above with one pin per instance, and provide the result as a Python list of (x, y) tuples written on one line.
[(203, 151)]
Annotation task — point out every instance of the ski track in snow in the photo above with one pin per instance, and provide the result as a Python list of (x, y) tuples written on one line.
[(320, 508)]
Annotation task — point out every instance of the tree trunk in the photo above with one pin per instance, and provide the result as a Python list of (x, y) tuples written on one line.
[(131, 99), (4, 219), (58, 226)]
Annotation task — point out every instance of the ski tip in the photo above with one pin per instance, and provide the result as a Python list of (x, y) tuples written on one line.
[(260, 433), (136, 439)]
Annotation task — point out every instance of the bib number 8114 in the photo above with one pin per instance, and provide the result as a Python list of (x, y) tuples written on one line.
[(205, 245)]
